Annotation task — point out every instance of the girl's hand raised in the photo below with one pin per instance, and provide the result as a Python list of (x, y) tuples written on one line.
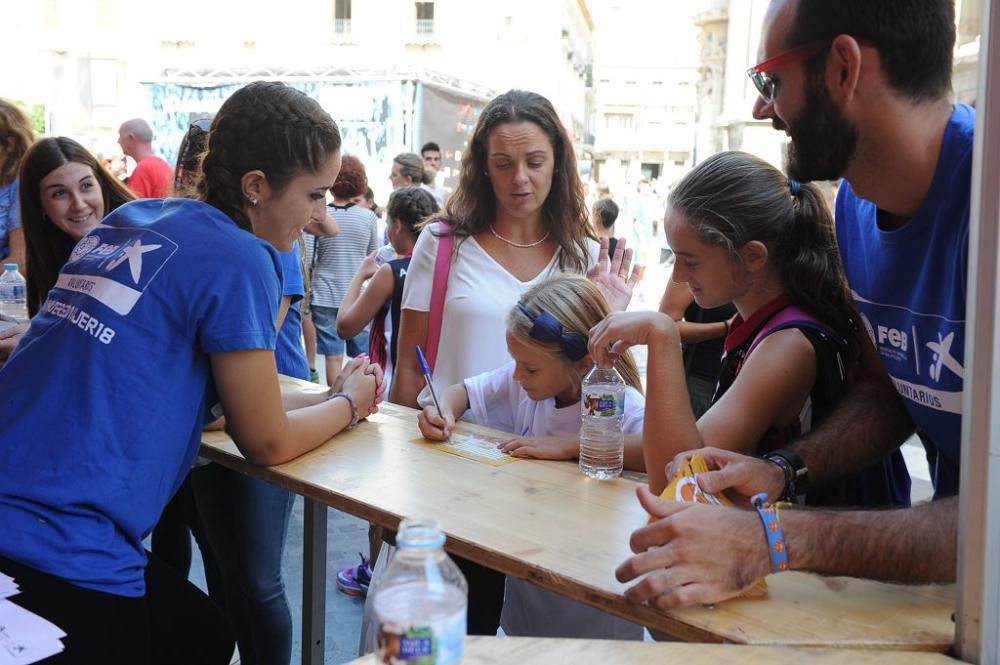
[(610, 338), (368, 266), (433, 426)]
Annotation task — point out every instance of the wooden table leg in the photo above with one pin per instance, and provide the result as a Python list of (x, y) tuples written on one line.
[(314, 584)]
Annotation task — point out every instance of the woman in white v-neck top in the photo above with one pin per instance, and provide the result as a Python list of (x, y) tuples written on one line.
[(517, 216)]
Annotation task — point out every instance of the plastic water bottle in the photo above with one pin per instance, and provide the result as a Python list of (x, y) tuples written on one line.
[(421, 602), (384, 254), (13, 294), (602, 405)]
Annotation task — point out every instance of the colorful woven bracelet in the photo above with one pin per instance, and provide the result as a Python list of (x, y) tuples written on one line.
[(775, 536), (354, 408)]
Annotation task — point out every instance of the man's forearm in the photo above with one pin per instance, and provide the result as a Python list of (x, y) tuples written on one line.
[(909, 545), (868, 424)]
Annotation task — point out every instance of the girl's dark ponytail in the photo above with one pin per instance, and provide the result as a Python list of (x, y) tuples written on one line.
[(811, 272)]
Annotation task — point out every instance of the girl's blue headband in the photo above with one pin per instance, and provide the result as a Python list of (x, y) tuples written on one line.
[(547, 328)]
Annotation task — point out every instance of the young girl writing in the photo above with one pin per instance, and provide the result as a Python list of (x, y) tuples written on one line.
[(538, 394), (746, 234)]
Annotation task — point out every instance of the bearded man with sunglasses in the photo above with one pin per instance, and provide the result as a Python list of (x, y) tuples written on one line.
[(862, 88)]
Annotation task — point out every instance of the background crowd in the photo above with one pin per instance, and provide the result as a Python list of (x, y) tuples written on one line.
[(272, 252)]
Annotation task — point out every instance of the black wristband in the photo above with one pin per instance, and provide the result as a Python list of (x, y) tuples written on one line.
[(797, 482), (788, 488)]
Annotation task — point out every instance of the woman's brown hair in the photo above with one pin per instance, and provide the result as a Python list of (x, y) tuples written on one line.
[(473, 206), (352, 180), (265, 126), (48, 246)]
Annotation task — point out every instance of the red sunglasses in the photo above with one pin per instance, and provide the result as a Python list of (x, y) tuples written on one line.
[(759, 72)]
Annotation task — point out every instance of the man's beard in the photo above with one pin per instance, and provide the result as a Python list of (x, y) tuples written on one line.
[(823, 140)]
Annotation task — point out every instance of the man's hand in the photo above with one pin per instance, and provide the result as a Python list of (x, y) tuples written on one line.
[(693, 554), (612, 276), (737, 476)]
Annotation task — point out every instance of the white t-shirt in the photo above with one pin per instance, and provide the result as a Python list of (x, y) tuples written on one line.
[(480, 294), (528, 610)]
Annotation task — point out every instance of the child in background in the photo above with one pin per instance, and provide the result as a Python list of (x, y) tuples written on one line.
[(538, 395), (604, 216), (380, 301)]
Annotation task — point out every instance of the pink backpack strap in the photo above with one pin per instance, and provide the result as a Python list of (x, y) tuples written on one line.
[(442, 269), (792, 316)]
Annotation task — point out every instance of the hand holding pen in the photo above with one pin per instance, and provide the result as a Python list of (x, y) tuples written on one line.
[(433, 423)]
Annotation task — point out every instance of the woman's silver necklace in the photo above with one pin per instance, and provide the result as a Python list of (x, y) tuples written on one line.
[(519, 245)]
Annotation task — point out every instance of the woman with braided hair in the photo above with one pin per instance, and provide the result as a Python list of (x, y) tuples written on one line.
[(158, 337)]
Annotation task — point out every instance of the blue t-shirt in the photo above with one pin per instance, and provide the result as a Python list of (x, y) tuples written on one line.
[(289, 355), (10, 217), (909, 285), (107, 393)]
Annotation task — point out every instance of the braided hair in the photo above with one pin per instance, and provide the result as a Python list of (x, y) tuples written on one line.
[(410, 206), (269, 127)]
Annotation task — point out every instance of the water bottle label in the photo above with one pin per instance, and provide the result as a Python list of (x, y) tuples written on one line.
[(434, 643), (602, 405)]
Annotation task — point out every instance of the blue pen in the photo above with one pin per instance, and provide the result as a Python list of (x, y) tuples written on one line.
[(426, 369)]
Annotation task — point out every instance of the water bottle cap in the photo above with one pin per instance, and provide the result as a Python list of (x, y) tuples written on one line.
[(10, 267), (420, 533)]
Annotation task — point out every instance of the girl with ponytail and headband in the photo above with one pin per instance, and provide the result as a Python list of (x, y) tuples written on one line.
[(537, 394), (744, 233)]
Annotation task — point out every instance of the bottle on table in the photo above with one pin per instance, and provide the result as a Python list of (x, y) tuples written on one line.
[(420, 603), (602, 406), (13, 294)]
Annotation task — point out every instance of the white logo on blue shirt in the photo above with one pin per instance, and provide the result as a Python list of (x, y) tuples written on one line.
[(133, 253), (943, 358), (97, 268)]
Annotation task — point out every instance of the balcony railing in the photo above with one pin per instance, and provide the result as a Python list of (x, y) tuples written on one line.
[(425, 27)]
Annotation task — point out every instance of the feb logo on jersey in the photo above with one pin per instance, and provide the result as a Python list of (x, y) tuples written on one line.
[(116, 265)]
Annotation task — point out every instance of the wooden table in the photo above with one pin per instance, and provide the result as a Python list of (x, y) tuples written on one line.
[(542, 651), (546, 522)]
